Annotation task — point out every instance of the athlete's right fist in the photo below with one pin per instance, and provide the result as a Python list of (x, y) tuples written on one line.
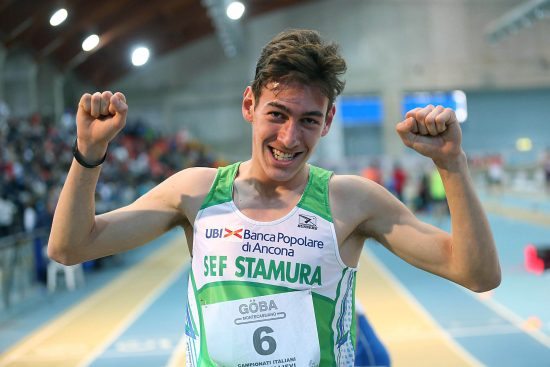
[(99, 118)]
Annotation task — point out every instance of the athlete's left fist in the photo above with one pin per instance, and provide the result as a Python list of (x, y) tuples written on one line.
[(432, 131)]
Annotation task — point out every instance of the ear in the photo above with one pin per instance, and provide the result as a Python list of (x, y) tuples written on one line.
[(328, 121), (248, 104)]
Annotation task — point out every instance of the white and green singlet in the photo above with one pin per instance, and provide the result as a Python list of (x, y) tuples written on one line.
[(269, 293)]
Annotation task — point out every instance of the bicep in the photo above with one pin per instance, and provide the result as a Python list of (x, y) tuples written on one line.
[(136, 224), (419, 243)]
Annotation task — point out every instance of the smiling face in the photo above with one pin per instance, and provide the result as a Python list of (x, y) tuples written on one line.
[(287, 120)]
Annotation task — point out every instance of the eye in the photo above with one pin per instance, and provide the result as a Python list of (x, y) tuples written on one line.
[(310, 121), (276, 115)]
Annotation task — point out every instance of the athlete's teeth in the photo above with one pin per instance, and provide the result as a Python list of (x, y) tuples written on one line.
[(281, 156)]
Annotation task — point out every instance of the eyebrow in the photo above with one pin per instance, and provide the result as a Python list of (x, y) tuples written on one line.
[(287, 110)]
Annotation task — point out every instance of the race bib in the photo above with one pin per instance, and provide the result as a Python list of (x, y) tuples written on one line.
[(277, 330)]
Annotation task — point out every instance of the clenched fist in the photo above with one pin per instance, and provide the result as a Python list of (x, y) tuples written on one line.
[(433, 132), (99, 119)]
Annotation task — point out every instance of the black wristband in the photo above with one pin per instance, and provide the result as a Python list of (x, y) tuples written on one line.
[(80, 159)]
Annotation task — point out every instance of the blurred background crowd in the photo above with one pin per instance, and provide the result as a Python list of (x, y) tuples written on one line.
[(35, 156), (36, 153)]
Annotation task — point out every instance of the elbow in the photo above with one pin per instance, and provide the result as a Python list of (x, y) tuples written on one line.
[(484, 287), (489, 282), (58, 254)]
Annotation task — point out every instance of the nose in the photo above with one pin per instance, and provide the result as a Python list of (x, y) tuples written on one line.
[(289, 134)]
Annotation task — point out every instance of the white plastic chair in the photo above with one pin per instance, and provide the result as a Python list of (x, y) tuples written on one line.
[(74, 275)]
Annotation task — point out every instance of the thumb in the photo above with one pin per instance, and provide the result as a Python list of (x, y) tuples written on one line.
[(84, 106)]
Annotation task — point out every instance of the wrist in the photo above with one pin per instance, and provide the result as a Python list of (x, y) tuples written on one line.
[(91, 152), (87, 156), (454, 163)]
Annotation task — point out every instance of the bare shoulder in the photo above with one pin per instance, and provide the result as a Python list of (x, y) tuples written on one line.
[(193, 180), (189, 182), (348, 195), (184, 190), (355, 200), (347, 189)]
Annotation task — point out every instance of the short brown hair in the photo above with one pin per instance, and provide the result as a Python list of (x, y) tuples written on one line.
[(300, 55)]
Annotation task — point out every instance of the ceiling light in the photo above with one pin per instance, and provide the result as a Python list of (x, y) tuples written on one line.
[(90, 42), (140, 56), (235, 10), (229, 32), (461, 109), (524, 144), (58, 17)]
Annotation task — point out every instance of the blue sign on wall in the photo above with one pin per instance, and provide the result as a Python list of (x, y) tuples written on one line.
[(360, 110), (451, 99), (367, 110)]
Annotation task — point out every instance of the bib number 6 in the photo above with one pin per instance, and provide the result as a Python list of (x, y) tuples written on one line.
[(264, 341)]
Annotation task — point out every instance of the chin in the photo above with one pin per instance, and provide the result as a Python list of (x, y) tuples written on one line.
[(284, 172), (281, 175)]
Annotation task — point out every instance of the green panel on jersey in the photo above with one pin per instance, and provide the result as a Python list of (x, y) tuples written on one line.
[(354, 323), (315, 197), (204, 358), (324, 309), (222, 188), (231, 290), (342, 337)]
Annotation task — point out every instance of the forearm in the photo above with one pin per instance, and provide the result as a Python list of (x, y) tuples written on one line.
[(474, 256), (74, 216)]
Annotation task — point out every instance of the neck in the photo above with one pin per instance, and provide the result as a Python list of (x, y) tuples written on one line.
[(257, 180)]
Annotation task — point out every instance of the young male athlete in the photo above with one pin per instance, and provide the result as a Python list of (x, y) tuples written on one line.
[(275, 241)]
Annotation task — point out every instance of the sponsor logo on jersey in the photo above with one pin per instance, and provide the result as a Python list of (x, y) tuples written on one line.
[(282, 238), (224, 233), (307, 221), (236, 233), (260, 241), (277, 270)]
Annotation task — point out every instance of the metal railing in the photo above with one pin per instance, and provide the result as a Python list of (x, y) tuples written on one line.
[(22, 264)]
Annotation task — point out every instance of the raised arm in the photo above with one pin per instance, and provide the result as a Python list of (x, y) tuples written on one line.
[(77, 234), (468, 254)]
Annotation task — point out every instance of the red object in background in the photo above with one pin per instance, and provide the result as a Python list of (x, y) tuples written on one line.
[(399, 179), (537, 260), (373, 173)]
